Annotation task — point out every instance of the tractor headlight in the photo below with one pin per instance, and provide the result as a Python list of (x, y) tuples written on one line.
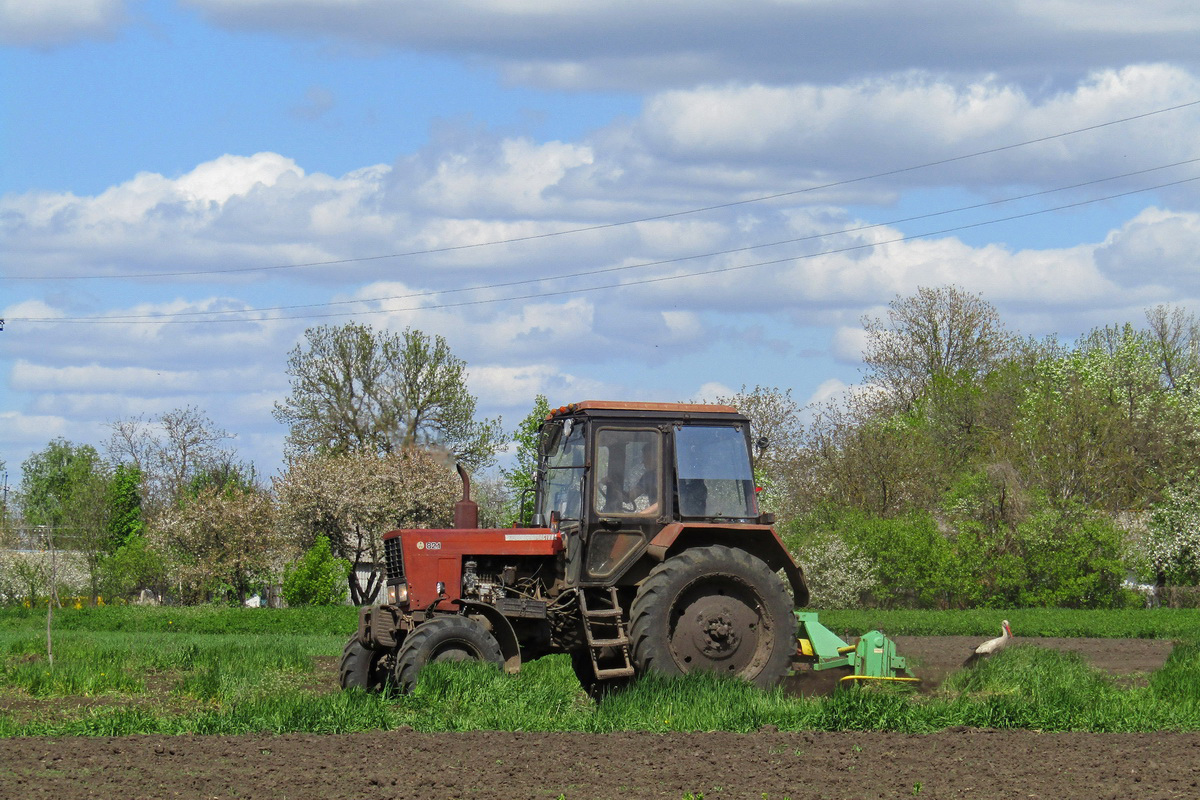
[(398, 593)]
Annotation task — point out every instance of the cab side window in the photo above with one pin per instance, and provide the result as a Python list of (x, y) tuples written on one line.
[(628, 472)]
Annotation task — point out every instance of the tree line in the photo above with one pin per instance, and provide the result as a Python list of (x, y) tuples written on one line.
[(375, 420), (975, 466)]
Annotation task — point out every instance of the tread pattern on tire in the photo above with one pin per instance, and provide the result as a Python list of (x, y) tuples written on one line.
[(361, 667), (414, 652), (650, 610)]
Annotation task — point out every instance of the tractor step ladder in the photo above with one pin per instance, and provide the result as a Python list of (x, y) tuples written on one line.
[(604, 628)]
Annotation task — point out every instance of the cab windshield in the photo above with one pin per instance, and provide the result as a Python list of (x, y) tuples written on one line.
[(562, 473), (713, 466)]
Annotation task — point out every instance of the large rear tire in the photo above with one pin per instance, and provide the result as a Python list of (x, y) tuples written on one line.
[(717, 609), (449, 638), (362, 667)]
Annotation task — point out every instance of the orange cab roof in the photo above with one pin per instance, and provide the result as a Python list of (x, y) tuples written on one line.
[(620, 405)]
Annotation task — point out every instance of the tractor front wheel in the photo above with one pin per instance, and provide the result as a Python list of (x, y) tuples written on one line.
[(717, 609), (361, 667), (448, 638)]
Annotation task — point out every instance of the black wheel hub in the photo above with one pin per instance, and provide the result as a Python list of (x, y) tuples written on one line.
[(716, 631)]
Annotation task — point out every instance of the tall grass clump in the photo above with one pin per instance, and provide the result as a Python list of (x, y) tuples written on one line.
[(697, 702), (81, 668), (1178, 681), (543, 696)]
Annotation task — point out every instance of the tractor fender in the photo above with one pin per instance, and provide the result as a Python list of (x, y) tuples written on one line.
[(760, 541), (502, 629)]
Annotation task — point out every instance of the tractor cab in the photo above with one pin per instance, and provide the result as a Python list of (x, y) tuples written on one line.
[(612, 476)]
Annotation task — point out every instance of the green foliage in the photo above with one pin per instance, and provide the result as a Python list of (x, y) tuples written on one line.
[(519, 480), (1016, 449), (1072, 559), (1099, 425), (1020, 551), (910, 562), (357, 389), (991, 546), (317, 579), (226, 478), (57, 482), (124, 506), (133, 566)]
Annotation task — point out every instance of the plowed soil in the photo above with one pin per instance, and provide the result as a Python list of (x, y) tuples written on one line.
[(767, 764), (932, 658), (410, 765)]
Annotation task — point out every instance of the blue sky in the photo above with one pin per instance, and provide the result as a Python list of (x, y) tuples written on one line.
[(205, 136)]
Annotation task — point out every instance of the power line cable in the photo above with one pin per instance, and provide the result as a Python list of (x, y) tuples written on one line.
[(172, 320), (621, 223), (661, 262)]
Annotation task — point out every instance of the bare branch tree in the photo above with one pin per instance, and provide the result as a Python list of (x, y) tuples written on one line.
[(1176, 332), (936, 332), (170, 450)]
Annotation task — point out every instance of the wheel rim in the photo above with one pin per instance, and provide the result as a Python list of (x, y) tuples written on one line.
[(719, 625)]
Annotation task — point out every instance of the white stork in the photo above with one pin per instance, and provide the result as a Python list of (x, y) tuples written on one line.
[(991, 646)]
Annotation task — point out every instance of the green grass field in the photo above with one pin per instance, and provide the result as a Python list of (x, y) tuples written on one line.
[(120, 671)]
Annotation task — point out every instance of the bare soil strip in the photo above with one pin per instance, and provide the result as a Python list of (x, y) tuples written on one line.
[(400, 765), (932, 658)]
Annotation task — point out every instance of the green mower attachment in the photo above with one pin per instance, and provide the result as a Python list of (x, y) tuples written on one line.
[(872, 659)]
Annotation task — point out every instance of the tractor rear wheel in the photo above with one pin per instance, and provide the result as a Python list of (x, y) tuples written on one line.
[(448, 638), (361, 667), (717, 609)]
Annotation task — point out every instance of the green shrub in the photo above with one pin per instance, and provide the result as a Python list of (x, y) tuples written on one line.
[(317, 579), (910, 561), (132, 566)]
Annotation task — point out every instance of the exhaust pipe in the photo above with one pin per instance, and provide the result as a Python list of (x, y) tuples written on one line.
[(466, 511)]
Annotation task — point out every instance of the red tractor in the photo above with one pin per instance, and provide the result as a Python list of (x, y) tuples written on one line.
[(646, 552)]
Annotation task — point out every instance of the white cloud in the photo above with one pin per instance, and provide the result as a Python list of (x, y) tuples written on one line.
[(47, 23), (516, 178), (516, 387), (624, 44), (830, 389), (849, 343), (91, 378), (1157, 247), (25, 429), (710, 391), (883, 124), (689, 149)]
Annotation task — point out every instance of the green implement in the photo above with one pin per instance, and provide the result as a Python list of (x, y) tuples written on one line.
[(872, 659)]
